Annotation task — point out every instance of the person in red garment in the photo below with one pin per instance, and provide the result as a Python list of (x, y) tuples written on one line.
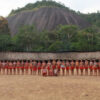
[(81, 65), (72, 67), (7, 67), (22, 64), (14, 67), (63, 67), (31, 67), (26, 67), (53, 65), (95, 67), (86, 66), (0, 66), (77, 66), (18, 67), (3, 66), (44, 69), (48, 66), (39, 67), (10, 67), (67, 64), (99, 68), (91, 67), (34, 67), (58, 66)]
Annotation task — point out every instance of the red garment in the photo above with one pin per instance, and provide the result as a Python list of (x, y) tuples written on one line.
[(39, 68), (34, 68), (53, 66), (72, 67), (86, 67), (48, 67), (67, 68), (81, 67), (58, 67), (77, 67)]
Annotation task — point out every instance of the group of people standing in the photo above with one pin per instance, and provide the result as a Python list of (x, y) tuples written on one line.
[(51, 67)]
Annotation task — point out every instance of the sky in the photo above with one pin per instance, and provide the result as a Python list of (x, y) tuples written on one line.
[(84, 6)]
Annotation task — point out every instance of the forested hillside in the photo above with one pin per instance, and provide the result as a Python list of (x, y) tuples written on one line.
[(63, 37)]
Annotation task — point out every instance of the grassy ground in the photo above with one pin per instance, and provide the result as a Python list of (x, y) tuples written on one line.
[(27, 87)]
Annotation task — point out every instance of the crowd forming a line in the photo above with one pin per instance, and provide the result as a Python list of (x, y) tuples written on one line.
[(51, 67)]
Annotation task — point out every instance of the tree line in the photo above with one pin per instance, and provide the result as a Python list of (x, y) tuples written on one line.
[(63, 38)]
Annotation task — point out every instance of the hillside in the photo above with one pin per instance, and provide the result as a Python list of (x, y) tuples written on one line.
[(44, 18), (3, 26), (48, 26), (38, 4)]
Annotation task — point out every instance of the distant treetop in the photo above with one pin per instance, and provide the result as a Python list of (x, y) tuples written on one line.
[(39, 4)]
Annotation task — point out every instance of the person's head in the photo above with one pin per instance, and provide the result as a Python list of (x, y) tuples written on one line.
[(49, 61), (54, 62)]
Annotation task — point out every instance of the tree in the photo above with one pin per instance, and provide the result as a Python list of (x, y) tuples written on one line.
[(67, 34), (5, 42), (27, 38)]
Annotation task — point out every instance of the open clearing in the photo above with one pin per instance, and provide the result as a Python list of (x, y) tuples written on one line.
[(28, 87)]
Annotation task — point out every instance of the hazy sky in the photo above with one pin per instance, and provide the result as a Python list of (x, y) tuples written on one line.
[(84, 6)]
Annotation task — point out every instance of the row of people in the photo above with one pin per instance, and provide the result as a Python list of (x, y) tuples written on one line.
[(51, 68)]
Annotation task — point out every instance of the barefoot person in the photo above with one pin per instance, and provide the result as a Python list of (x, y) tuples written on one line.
[(3, 67), (81, 65), (0, 66), (86, 65), (77, 66), (72, 67), (18, 67), (48, 67), (34, 67), (63, 67), (7, 67), (39, 67), (10, 67), (99, 68), (58, 66), (31, 67), (95, 67), (14, 67), (22, 64), (44, 69), (55, 72), (67, 67), (26, 67), (91, 67), (53, 65)]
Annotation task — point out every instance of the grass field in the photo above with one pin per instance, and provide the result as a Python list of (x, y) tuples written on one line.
[(27, 87)]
